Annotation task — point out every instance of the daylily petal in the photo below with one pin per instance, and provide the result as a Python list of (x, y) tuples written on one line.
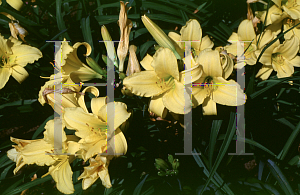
[(146, 62), (19, 73), (233, 47), (264, 72), (295, 61), (16, 4), (54, 128), (157, 106), (210, 61), (91, 89), (120, 114), (195, 73), (120, 143), (92, 145), (82, 122), (176, 38), (146, 84), (284, 70), (25, 54), (98, 168), (165, 64), (246, 30), (84, 74), (266, 37), (289, 48), (209, 107), (174, 99), (4, 48), (72, 62), (277, 2), (228, 93), (198, 90), (266, 57), (293, 12), (35, 153), (62, 173), (4, 76), (73, 147), (97, 103), (206, 43), (192, 32), (275, 27), (227, 65), (12, 154)]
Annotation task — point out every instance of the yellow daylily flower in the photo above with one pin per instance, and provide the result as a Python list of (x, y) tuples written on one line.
[(280, 57), (98, 168), (275, 15), (39, 152), (289, 23), (291, 7), (68, 92), (212, 88), (246, 36), (14, 57), (192, 32), (91, 127), (70, 65), (125, 27), (162, 77)]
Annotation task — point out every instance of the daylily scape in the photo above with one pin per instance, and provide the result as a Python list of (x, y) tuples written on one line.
[(162, 80)]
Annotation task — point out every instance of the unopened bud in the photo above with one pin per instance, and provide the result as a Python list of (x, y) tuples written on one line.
[(160, 37), (95, 66)]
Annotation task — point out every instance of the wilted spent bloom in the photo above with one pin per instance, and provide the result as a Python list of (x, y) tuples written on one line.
[(133, 63), (15, 28), (125, 27)]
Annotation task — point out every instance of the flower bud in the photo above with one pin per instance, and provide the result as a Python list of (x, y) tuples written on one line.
[(158, 34), (95, 66), (175, 164), (109, 47), (161, 163), (125, 27)]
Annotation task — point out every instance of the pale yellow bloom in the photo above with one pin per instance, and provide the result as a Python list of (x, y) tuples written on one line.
[(280, 57), (42, 152), (125, 27), (14, 57), (291, 7), (246, 36), (68, 63), (162, 80), (91, 127), (275, 15), (289, 23), (212, 88), (98, 168), (192, 31)]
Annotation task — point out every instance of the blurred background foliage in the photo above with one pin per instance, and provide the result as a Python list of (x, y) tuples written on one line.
[(271, 112)]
